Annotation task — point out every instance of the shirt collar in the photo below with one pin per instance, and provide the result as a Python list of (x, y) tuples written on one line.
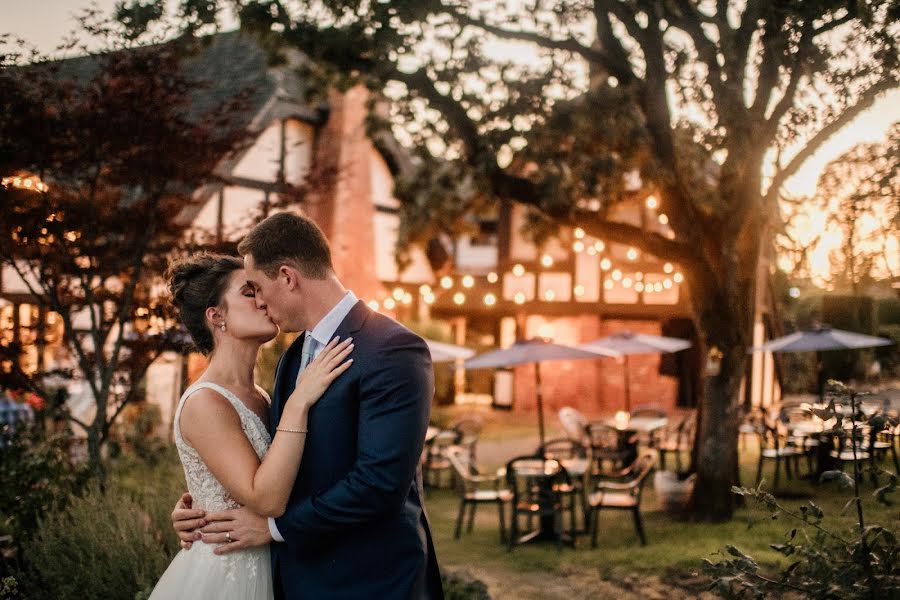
[(324, 330)]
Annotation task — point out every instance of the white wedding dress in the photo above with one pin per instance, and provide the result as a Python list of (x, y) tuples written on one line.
[(197, 573)]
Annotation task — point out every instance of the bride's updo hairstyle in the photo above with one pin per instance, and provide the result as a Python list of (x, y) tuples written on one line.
[(197, 283)]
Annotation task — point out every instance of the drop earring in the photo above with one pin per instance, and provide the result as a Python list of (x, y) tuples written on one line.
[(222, 327)]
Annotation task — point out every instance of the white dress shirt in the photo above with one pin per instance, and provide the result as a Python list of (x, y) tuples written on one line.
[(318, 338)]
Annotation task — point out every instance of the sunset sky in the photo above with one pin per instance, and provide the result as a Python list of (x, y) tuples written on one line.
[(47, 26)]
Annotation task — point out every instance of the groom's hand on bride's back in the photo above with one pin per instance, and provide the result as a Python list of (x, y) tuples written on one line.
[(187, 521), (236, 530)]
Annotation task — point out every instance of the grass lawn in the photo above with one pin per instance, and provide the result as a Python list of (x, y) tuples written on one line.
[(664, 568)]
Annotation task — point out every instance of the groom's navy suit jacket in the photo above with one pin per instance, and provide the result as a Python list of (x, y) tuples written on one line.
[(355, 526)]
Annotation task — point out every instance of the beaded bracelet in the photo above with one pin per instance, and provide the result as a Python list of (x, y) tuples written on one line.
[(288, 430)]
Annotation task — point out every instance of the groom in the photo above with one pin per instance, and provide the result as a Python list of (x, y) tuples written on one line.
[(355, 526)]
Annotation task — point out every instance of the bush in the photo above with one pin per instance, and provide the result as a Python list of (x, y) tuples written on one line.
[(103, 545), (824, 563), (462, 586), (38, 477)]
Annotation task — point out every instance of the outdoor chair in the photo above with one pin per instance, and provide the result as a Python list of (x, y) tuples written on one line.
[(677, 440), (773, 446), (540, 495), (574, 424), (750, 424), (653, 438), (622, 492), (469, 429), (435, 462), (567, 450), (475, 488), (609, 445)]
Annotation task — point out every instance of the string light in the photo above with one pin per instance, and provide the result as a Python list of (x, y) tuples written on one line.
[(579, 233), (667, 283), (547, 260), (663, 219), (519, 298), (608, 284), (639, 287), (579, 290), (668, 268), (639, 276), (373, 304), (605, 264), (678, 277), (492, 277), (425, 289), (626, 283), (518, 270), (490, 299), (632, 254), (468, 281), (599, 246), (429, 299), (407, 298), (592, 251), (578, 246), (389, 303), (657, 287), (398, 294), (459, 298), (616, 275), (652, 202), (446, 282), (549, 295)]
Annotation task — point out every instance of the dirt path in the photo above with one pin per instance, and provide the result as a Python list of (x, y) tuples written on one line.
[(576, 585)]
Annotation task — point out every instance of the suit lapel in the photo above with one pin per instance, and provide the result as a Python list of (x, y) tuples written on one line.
[(354, 320), (279, 388)]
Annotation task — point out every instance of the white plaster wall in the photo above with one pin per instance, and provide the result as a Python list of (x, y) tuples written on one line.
[(261, 161)]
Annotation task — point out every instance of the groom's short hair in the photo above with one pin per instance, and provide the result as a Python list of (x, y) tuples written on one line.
[(288, 238)]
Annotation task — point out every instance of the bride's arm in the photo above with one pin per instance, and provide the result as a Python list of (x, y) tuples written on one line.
[(210, 424)]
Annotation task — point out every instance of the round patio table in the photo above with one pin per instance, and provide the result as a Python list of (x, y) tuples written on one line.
[(544, 473)]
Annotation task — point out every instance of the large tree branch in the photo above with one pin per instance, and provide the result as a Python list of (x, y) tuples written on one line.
[(865, 101), (572, 45), (614, 48)]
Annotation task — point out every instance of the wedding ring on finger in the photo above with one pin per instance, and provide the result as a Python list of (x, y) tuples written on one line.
[(228, 537)]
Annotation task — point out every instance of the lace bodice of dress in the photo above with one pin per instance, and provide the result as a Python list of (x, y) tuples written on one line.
[(208, 494)]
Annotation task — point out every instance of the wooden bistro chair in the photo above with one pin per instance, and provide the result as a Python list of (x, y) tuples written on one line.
[(773, 446), (538, 490), (679, 440), (609, 445), (468, 431), (435, 462), (622, 492), (573, 457), (476, 488)]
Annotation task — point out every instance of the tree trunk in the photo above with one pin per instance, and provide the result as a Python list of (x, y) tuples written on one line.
[(719, 412)]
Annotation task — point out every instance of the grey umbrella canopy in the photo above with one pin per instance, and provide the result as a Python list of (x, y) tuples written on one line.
[(442, 352), (824, 338), (533, 351), (821, 339), (627, 343)]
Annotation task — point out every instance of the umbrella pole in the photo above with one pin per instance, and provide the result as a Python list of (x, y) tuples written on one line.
[(627, 387), (540, 403)]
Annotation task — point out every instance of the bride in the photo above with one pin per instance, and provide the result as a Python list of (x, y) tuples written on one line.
[(220, 425)]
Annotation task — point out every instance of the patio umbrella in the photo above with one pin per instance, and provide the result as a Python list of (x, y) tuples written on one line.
[(823, 338), (442, 352), (627, 343), (533, 351)]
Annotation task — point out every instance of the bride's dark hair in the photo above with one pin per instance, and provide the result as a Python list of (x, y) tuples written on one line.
[(197, 283)]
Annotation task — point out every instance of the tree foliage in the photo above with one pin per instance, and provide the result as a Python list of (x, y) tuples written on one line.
[(99, 155), (859, 195)]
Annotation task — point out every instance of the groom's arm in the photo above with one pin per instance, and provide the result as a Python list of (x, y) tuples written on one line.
[(395, 402)]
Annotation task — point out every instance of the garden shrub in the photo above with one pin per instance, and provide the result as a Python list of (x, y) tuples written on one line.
[(103, 545), (38, 477), (463, 586)]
